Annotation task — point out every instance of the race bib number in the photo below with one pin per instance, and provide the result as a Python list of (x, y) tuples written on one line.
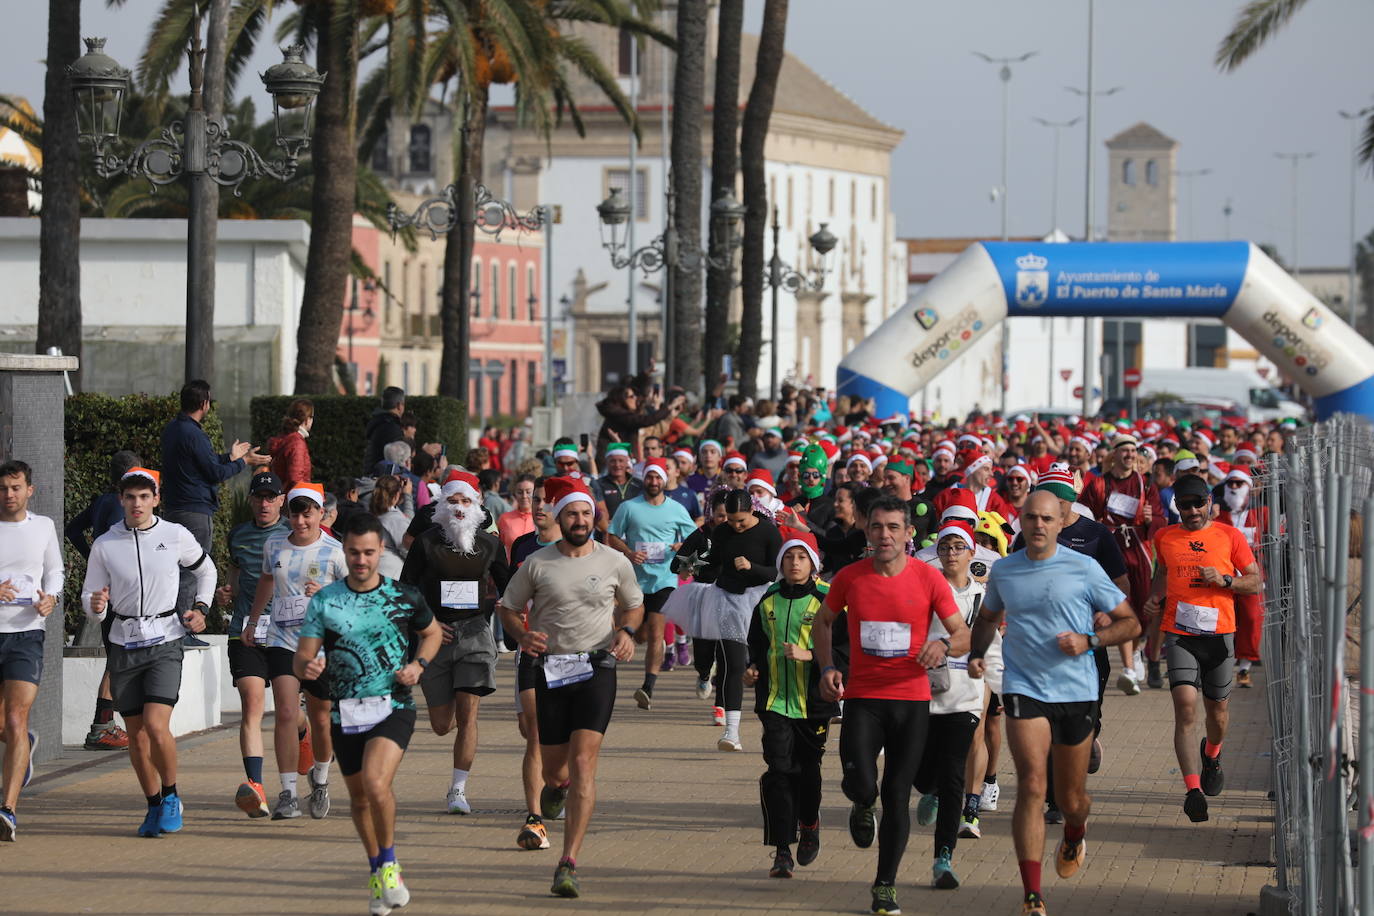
[(1123, 505), (654, 551), (1196, 618), (562, 670), (458, 596), (885, 638), (260, 630), (289, 610), (363, 714), (140, 632), (24, 591)]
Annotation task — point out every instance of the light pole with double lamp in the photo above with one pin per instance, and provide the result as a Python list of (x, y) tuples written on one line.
[(781, 276), (196, 148), (666, 249)]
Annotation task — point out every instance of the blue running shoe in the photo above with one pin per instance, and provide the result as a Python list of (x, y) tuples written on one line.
[(169, 817), (149, 826), (9, 825), (28, 771), (942, 874)]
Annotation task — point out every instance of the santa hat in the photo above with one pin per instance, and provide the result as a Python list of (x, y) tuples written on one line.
[(1083, 441), (146, 474), (685, 454), (1240, 472), (1243, 454), (1205, 433), (960, 529), (564, 491), (565, 448), (658, 466), (860, 458), (1059, 481), (805, 540), (794, 455), (968, 439), (832, 451), (464, 482), (951, 496), (843, 433), (735, 459), (1020, 470), (311, 491), (971, 460), (762, 477)]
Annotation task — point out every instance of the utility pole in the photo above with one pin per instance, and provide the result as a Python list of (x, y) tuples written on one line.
[(1295, 158), (1352, 295)]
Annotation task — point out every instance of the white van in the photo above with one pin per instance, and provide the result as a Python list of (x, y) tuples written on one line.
[(1259, 399)]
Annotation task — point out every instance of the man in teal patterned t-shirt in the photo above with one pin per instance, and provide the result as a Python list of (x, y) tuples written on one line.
[(368, 626)]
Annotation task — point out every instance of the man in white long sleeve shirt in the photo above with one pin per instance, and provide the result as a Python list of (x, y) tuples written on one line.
[(30, 580), (133, 573)]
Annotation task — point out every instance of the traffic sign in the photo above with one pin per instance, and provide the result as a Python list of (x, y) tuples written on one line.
[(1131, 378), (1065, 374), (1078, 391)]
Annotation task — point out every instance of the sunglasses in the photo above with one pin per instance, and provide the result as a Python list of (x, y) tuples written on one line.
[(1194, 502), (811, 475)]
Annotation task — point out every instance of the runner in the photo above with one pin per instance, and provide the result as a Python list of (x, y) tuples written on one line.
[(248, 663), (890, 602), (1203, 566), (1048, 597), (294, 567), (1252, 522), (134, 573), (898, 477), (31, 577), (617, 484), (648, 529), (585, 606), (693, 560), (356, 643), (451, 564), (787, 700)]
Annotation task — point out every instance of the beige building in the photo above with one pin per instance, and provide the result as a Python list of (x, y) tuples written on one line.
[(1141, 163)]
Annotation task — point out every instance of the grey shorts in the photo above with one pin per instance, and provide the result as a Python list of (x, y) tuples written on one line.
[(141, 676), (466, 665), (1202, 662)]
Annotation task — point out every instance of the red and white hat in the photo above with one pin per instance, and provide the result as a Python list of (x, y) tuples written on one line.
[(1239, 472), (146, 474), (462, 482), (734, 459), (860, 458), (804, 539), (957, 502), (971, 460), (1243, 454), (1020, 470), (311, 491), (561, 492), (762, 477), (957, 528), (685, 454), (657, 466)]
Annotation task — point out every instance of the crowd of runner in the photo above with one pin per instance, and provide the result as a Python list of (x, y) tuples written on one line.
[(934, 588)]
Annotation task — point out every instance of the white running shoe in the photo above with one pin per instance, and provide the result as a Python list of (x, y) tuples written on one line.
[(377, 905), (458, 802), (729, 742), (718, 715), (703, 690), (642, 699), (1127, 683), (394, 890), (991, 792)]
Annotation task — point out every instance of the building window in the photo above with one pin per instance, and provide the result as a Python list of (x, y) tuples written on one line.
[(381, 162), (405, 286), (531, 297), (1128, 171), (419, 148), (423, 305), (495, 396), (514, 387), (511, 290), (405, 375), (1151, 173), (620, 178), (476, 288), (626, 54), (495, 293)]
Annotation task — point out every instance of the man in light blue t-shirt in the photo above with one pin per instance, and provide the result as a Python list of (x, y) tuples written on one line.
[(1058, 606), (649, 529)]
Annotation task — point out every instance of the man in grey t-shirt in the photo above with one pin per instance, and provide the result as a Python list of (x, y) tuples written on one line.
[(584, 608)]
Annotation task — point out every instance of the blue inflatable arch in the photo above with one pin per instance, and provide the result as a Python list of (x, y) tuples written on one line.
[(1233, 281)]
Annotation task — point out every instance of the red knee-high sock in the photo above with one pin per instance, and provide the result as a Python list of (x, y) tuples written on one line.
[(1030, 876)]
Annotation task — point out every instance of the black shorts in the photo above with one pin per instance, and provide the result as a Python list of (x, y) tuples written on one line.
[(994, 704), (247, 661), (584, 706), (21, 656), (1070, 723), (1203, 662), (348, 749), (280, 664), (654, 601), (526, 672)]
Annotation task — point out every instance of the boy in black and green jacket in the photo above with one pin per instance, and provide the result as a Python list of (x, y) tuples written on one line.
[(796, 721)]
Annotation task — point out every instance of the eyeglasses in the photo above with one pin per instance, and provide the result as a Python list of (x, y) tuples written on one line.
[(810, 475), (1195, 502), (946, 550)]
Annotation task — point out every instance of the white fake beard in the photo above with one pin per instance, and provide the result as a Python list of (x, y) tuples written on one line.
[(1236, 499), (460, 532)]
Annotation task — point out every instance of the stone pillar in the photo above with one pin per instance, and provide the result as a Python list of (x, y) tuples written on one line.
[(32, 393)]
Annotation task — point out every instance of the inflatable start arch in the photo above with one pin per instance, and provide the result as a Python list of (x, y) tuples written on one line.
[(1233, 281)]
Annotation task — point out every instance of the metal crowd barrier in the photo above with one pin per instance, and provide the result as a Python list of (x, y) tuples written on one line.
[(1314, 493)]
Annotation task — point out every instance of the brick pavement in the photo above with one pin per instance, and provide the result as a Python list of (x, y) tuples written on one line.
[(676, 829)]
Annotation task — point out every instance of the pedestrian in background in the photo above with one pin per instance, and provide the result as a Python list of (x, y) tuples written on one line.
[(290, 456)]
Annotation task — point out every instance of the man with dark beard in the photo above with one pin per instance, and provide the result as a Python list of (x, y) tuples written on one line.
[(450, 563)]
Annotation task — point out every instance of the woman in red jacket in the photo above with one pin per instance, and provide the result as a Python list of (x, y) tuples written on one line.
[(290, 457)]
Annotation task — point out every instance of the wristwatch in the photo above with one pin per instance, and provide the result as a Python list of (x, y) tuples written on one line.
[(1094, 641), (422, 662), (629, 630), (1227, 581)]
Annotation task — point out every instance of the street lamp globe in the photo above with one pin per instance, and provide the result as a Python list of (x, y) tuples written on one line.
[(823, 240), (615, 212), (98, 83), (293, 85), (729, 212)]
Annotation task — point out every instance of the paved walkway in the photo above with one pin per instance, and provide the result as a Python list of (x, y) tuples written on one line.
[(676, 828)]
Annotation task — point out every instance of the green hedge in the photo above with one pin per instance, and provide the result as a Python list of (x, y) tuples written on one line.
[(338, 437), (97, 426)]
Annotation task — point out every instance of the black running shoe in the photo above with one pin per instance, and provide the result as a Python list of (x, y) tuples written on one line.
[(1195, 806), (782, 865), (1213, 779), (809, 845), (1053, 815), (1153, 677), (885, 900), (863, 825)]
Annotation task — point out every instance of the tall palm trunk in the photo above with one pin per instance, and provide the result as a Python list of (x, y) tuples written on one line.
[(724, 165), (335, 184), (757, 114), (455, 317), (59, 232), (205, 200), (689, 93)]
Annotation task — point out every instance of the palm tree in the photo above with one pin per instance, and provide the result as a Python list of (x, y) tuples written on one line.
[(59, 234), (757, 113), (724, 165), (688, 96), (1257, 22)]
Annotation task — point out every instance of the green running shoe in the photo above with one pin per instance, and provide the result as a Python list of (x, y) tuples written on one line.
[(927, 809), (863, 824), (565, 881), (885, 900)]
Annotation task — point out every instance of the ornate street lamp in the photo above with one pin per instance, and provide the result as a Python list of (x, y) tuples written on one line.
[(666, 249), (198, 148), (781, 276)]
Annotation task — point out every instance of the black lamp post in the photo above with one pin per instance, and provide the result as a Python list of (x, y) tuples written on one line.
[(197, 148), (781, 276)]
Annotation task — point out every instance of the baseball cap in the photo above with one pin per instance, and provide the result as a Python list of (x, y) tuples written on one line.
[(266, 481), (1191, 485)]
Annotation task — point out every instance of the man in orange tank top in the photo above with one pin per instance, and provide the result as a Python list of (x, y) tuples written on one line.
[(1202, 566)]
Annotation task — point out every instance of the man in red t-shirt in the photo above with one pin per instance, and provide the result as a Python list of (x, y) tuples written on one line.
[(889, 601)]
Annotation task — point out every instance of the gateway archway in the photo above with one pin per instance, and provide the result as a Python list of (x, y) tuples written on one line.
[(1233, 281)]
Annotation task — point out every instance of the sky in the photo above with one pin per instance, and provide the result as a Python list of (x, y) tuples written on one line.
[(910, 63)]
